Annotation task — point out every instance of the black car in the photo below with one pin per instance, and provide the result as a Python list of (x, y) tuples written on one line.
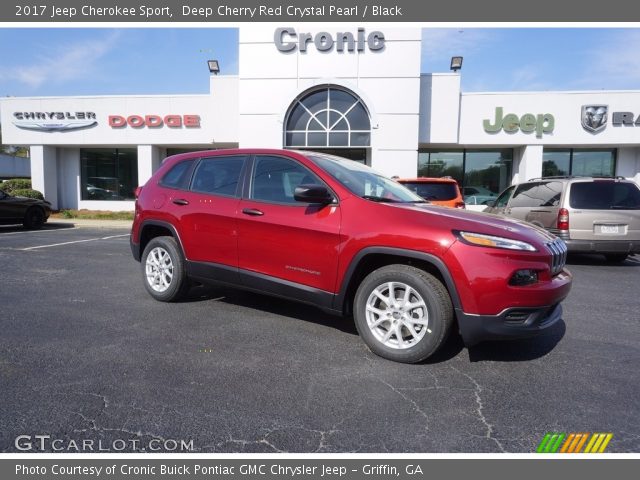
[(31, 212)]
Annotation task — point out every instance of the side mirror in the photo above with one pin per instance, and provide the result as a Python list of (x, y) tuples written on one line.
[(490, 203), (313, 193)]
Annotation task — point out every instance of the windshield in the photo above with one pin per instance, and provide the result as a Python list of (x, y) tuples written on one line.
[(364, 181)]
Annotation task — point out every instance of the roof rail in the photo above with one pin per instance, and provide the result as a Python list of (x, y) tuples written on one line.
[(555, 177), (552, 177)]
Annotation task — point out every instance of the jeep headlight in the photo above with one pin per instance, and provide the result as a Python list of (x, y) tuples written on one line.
[(482, 240)]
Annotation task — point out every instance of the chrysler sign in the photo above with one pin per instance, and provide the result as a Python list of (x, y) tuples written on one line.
[(54, 121)]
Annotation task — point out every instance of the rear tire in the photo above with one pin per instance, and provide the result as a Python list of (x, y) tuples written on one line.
[(402, 313), (616, 257), (163, 270), (33, 219)]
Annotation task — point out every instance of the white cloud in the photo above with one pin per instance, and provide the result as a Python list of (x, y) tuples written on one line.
[(610, 62), (529, 78), (63, 63), (616, 60)]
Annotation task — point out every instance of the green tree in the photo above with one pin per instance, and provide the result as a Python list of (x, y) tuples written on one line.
[(13, 150)]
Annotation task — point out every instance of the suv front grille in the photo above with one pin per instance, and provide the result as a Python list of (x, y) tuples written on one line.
[(558, 251)]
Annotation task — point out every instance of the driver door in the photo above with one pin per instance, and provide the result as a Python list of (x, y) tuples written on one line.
[(281, 238)]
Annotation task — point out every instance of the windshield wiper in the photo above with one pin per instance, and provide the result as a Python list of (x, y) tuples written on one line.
[(624, 207), (380, 199)]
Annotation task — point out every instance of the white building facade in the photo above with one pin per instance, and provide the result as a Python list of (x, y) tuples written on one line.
[(353, 92)]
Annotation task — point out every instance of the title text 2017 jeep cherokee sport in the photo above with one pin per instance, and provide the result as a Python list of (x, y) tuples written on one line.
[(334, 233)]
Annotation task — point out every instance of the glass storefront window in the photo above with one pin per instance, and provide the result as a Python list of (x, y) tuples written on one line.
[(441, 164), (581, 162), (480, 173), (487, 170), (556, 162), (108, 174), (593, 163)]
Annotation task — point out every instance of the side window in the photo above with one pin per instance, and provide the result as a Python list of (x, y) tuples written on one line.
[(550, 193), (537, 194), (178, 176), (504, 198), (218, 175), (276, 178)]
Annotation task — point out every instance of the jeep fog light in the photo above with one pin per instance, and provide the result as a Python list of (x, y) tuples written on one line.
[(523, 277)]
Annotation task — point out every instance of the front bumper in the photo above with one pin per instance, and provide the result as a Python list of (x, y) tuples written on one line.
[(603, 246), (516, 322)]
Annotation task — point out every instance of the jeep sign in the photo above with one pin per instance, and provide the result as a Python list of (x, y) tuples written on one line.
[(527, 123), (288, 40)]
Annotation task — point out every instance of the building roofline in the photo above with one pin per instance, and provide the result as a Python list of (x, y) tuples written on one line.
[(88, 97), (554, 92)]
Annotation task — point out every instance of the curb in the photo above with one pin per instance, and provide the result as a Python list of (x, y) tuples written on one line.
[(79, 223)]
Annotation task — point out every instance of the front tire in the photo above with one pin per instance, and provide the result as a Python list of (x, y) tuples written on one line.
[(402, 313), (33, 219), (163, 270)]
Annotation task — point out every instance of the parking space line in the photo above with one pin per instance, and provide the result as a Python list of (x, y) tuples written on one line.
[(29, 232), (74, 241)]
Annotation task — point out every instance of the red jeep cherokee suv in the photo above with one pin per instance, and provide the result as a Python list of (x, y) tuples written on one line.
[(334, 233)]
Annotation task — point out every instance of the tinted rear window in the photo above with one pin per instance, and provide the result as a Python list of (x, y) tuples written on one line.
[(177, 177), (218, 175), (434, 191), (604, 195)]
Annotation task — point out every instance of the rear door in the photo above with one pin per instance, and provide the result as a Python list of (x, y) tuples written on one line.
[(536, 203), (604, 210), (208, 211), (282, 238), (544, 204)]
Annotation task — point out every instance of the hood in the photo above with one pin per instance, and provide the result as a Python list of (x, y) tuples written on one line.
[(480, 222), (31, 201)]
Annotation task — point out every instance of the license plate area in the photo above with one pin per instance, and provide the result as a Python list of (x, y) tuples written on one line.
[(610, 229)]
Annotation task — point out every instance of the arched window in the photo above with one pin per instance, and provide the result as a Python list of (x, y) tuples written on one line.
[(331, 117)]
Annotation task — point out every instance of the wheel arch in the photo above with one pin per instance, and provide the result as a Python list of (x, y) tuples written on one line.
[(372, 258), (151, 229)]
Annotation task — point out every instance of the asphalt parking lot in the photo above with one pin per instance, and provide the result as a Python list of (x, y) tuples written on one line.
[(85, 353)]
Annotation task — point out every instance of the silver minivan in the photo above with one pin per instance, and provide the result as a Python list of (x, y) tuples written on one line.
[(591, 214)]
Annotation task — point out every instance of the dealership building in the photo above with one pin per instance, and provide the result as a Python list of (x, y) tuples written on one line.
[(354, 92)]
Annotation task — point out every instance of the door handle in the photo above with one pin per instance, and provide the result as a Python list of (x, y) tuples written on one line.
[(180, 201), (252, 211)]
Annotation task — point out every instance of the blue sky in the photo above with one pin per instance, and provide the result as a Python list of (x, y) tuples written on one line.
[(80, 61), (73, 61)]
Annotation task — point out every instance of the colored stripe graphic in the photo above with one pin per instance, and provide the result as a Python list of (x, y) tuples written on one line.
[(598, 442), (606, 441), (578, 447), (550, 443), (554, 442)]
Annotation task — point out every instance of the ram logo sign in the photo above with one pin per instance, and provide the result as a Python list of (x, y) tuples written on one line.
[(594, 117)]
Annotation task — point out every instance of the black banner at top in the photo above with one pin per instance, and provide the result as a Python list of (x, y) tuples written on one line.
[(233, 11)]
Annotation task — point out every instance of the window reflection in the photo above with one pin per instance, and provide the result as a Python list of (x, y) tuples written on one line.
[(108, 174)]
